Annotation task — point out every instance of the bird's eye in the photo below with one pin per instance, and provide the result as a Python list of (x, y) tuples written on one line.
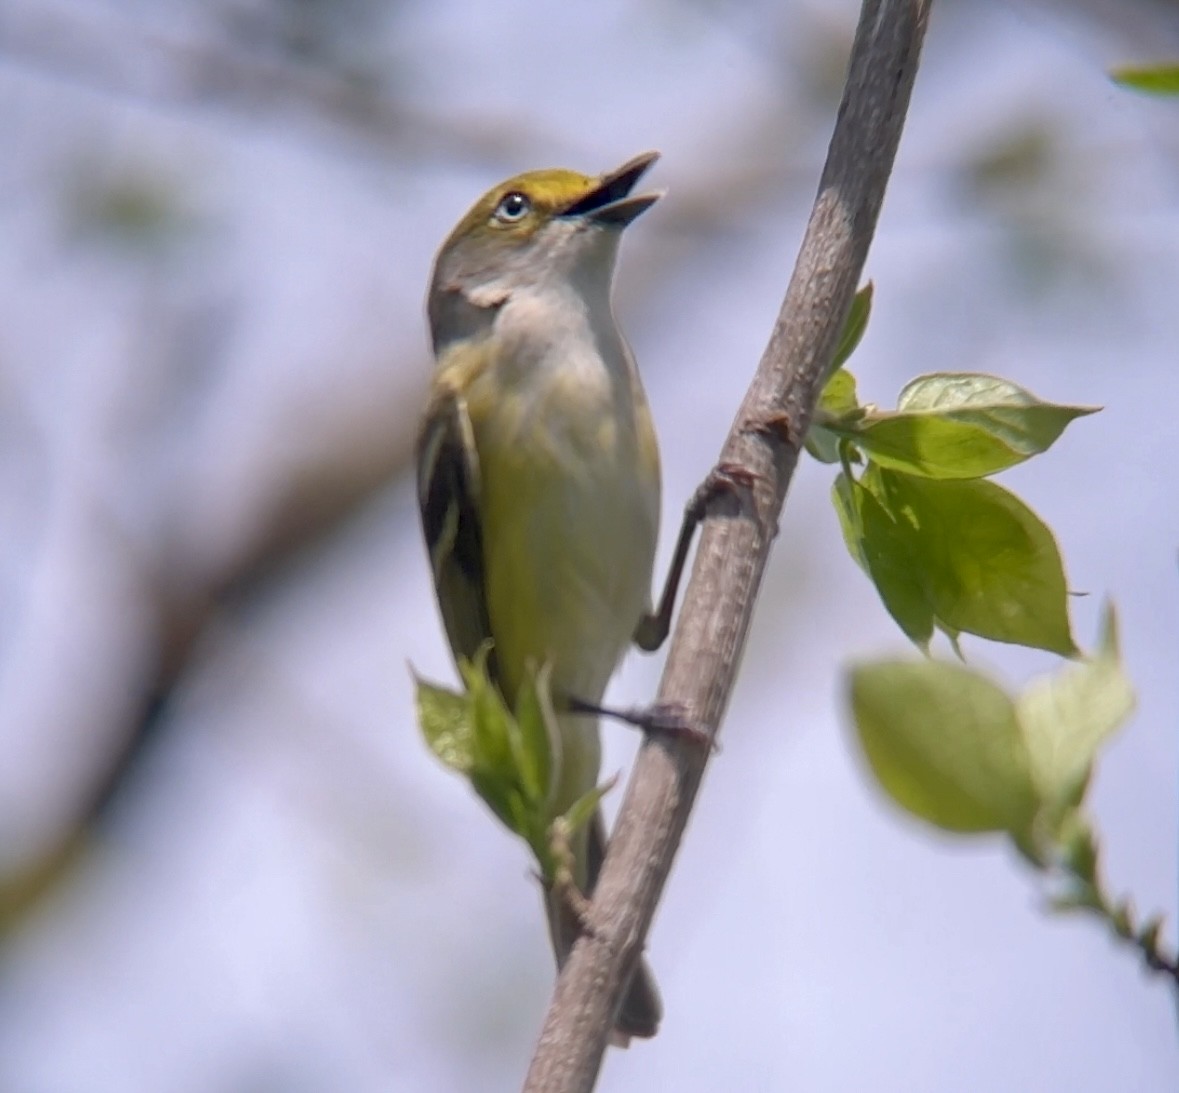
[(512, 208)]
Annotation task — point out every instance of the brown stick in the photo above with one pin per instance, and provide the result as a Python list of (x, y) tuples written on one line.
[(759, 455)]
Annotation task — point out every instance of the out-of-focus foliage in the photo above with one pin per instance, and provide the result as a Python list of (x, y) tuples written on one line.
[(955, 750)]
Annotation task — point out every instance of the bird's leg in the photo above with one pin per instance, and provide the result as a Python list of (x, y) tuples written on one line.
[(666, 718), (659, 719), (654, 627)]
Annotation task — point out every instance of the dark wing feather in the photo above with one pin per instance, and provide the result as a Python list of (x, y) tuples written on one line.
[(448, 495)]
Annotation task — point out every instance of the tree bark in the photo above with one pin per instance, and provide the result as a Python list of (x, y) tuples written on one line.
[(758, 460)]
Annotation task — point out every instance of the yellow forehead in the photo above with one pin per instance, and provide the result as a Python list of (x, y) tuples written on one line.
[(548, 191)]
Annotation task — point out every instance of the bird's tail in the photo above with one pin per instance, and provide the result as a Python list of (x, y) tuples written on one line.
[(641, 1007)]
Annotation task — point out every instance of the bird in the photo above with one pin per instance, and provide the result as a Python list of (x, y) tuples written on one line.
[(539, 475)]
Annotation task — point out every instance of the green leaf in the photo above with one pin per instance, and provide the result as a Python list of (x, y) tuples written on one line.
[(822, 444), (853, 327), (507, 756), (847, 507), (986, 564), (506, 801), (960, 425), (839, 394), (533, 744), (882, 549), (837, 400), (944, 743), (1153, 79), (1026, 424), (505, 768), (491, 722), (494, 775), (1066, 717), (578, 814), (445, 720)]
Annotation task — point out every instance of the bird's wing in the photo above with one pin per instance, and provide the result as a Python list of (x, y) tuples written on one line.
[(448, 495)]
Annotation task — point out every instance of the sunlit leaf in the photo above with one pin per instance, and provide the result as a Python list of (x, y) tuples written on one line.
[(534, 743), (578, 814), (853, 327), (883, 549), (822, 444), (1066, 717), (944, 743), (838, 398), (960, 425), (986, 563), (839, 394), (507, 756), (851, 523), (445, 720), (492, 751)]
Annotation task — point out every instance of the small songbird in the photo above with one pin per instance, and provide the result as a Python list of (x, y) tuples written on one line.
[(538, 469)]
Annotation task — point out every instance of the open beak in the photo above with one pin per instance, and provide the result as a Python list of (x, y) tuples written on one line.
[(610, 201)]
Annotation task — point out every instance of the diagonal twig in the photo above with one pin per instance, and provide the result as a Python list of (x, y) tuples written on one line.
[(761, 453)]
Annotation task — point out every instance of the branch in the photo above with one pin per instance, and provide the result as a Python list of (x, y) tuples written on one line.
[(761, 452), (111, 51)]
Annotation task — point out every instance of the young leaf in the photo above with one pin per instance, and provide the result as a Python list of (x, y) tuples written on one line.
[(847, 507), (1066, 717), (509, 757), (491, 723), (837, 400), (822, 444), (988, 565), (1029, 425), (960, 425), (578, 814), (475, 733), (505, 800), (931, 445), (884, 550), (853, 327), (839, 394), (944, 743), (445, 720), (533, 745)]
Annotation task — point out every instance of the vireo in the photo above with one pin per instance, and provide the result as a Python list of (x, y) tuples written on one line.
[(538, 469)]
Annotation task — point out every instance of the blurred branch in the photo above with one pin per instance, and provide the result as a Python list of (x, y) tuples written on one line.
[(105, 50), (303, 508), (761, 451)]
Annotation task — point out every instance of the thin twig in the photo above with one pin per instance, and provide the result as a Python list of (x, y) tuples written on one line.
[(761, 450)]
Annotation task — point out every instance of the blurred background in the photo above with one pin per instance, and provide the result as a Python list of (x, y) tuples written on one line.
[(227, 862)]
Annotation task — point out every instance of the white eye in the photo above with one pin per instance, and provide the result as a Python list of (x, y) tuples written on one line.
[(512, 208)]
